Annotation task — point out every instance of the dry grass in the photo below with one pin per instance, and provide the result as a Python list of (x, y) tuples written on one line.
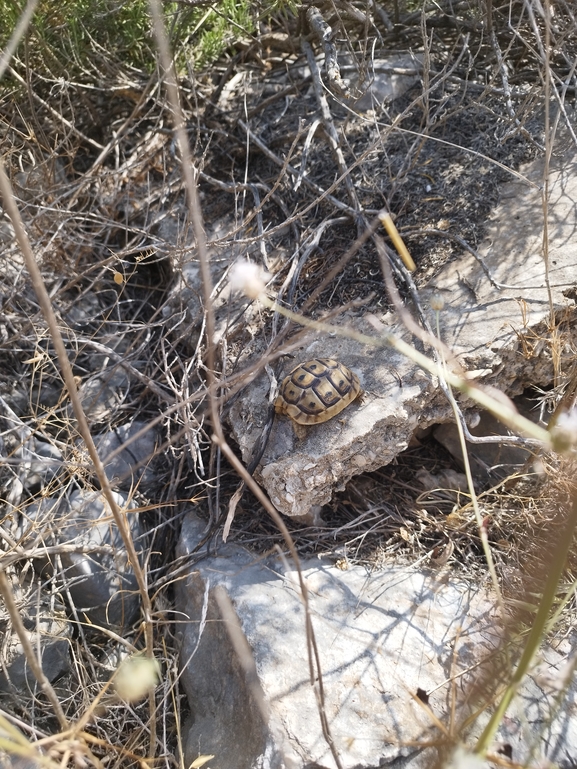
[(96, 174)]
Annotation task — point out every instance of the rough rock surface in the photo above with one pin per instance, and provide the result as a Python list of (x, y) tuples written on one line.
[(132, 465), (100, 581), (490, 462), (387, 79), (498, 333), (385, 639), (301, 472), (48, 631), (101, 393)]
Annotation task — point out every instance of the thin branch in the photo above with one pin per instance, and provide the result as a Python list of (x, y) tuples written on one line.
[(70, 382), (17, 35), (30, 654), (218, 434)]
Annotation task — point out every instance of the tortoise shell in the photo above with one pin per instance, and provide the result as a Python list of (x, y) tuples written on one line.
[(316, 391)]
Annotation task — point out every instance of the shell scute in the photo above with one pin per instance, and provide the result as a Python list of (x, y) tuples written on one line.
[(316, 391)]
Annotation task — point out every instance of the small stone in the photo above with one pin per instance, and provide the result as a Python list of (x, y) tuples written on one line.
[(43, 461), (102, 395), (133, 466), (48, 631), (100, 583)]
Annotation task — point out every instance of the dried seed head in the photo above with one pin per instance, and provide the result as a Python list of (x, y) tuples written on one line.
[(462, 759), (564, 432), (437, 302), (249, 278), (135, 677)]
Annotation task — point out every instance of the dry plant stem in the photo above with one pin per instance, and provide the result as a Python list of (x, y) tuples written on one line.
[(441, 351), (30, 756), (562, 99), (463, 243), (270, 192), (16, 36), (305, 152), (343, 261), (547, 165), (55, 113), (387, 222), (467, 247), (88, 176), (218, 434), (291, 169), (507, 89), (326, 194), (329, 126), (425, 333), (21, 554), (242, 650), (290, 283), (236, 187), (544, 52), (11, 737), (31, 659), (324, 35), (466, 150), (561, 606), (188, 172), (383, 15), (474, 500), (68, 376), (7, 719), (84, 719), (315, 670), (395, 126), (263, 103), (556, 569), (172, 683)]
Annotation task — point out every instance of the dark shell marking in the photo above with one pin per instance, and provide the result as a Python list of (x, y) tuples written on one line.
[(316, 391)]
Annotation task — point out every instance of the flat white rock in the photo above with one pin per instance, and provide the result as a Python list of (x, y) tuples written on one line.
[(383, 638)]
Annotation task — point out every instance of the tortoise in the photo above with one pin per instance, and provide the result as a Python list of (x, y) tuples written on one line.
[(316, 391)]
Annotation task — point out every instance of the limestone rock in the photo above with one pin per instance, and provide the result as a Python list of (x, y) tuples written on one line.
[(98, 576), (35, 461), (301, 472), (102, 585), (386, 80), (102, 394), (490, 462), (386, 640), (48, 631), (132, 465), (499, 335)]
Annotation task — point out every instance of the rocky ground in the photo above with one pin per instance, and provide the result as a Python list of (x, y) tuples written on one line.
[(441, 121)]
